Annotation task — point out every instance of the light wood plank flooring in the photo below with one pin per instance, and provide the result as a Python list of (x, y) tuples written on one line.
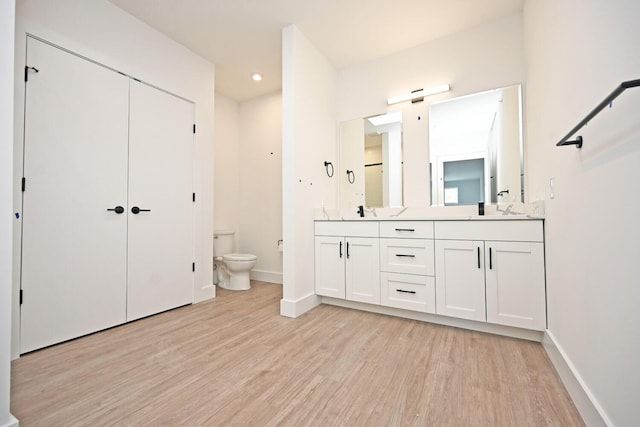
[(235, 361)]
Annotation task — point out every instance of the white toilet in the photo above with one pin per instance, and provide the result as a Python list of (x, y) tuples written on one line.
[(233, 269)]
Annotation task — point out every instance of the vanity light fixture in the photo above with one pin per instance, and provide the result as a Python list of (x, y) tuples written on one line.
[(256, 77), (418, 94)]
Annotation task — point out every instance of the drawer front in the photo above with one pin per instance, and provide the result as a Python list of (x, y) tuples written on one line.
[(407, 291), (410, 256), (500, 230), (407, 229), (347, 228)]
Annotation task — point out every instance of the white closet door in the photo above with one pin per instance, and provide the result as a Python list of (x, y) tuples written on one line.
[(75, 164), (160, 184)]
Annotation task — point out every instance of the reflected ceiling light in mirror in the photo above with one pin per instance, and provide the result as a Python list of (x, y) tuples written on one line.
[(256, 77), (385, 119), (418, 94)]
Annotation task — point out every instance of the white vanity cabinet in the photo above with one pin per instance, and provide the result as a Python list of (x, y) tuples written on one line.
[(347, 260), (491, 271), (407, 265)]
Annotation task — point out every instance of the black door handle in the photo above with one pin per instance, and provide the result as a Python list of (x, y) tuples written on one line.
[(348, 250), (340, 249), (117, 209), (478, 256), (136, 210)]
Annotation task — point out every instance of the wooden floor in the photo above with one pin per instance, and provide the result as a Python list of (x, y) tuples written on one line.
[(235, 361)]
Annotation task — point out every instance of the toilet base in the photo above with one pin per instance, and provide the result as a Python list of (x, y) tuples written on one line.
[(238, 282)]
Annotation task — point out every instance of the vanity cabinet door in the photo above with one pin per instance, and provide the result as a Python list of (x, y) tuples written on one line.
[(460, 288), (515, 284), (330, 256), (363, 269)]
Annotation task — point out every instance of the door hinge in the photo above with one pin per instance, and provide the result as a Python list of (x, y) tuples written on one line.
[(20, 296), (194, 197), (193, 266), (26, 72), (194, 128), (24, 183)]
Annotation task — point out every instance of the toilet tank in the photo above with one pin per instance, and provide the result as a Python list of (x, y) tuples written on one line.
[(222, 242)]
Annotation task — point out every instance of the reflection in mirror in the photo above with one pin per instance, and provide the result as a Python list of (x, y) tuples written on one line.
[(475, 148), (372, 149)]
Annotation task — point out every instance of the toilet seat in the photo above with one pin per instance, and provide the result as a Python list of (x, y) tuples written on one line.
[(239, 257)]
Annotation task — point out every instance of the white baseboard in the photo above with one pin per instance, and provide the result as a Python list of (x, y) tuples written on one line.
[(267, 276), (205, 293), (507, 331), (11, 422), (591, 412), (297, 308)]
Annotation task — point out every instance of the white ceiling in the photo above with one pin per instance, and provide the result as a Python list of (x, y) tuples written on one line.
[(243, 36)]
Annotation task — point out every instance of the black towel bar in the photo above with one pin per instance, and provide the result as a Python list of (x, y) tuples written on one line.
[(607, 101)]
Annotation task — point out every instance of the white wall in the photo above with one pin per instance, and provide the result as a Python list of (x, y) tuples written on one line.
[(308, 139), (99, 30), (7, 18), (227, 165), (260, 170), (482, 58), (577, 52)]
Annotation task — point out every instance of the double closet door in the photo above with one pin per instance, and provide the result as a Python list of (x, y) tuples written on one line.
[(107, 230)]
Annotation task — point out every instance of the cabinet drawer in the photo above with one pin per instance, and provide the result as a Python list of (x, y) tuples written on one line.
[(347, 228), (407, 229), (408, 291), (501, 230), (411, 256)]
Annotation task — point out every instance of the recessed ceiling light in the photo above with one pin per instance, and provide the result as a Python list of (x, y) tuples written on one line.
[(256, 76)]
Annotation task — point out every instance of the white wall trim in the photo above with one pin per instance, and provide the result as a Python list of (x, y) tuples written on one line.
[(297, 308), (592, 413), (11, 422), (206, 292), (267, 276), (506, 331)]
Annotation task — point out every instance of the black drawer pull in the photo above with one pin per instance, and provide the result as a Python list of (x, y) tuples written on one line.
[(411, 230), (406, 255), (405, 292)]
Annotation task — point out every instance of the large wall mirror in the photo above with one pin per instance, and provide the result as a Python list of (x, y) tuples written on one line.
[(371, 161), (476, 148)]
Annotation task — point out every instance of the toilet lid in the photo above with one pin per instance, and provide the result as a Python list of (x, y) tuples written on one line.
[(239, 257)]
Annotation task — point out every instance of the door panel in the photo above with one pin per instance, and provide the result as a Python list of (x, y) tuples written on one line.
[(160, 180), (515, 284), (363, 269), (75, 164), (460, 289), (330, 255)]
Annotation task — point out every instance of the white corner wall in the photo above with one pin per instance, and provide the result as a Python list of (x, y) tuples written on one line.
[(101, 31), (7, 20), (260, 170), (577, 52), (309, 85), (227, 165), (481, 58)]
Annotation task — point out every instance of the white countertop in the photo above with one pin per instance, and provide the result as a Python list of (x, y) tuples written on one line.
[(510, 212)]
